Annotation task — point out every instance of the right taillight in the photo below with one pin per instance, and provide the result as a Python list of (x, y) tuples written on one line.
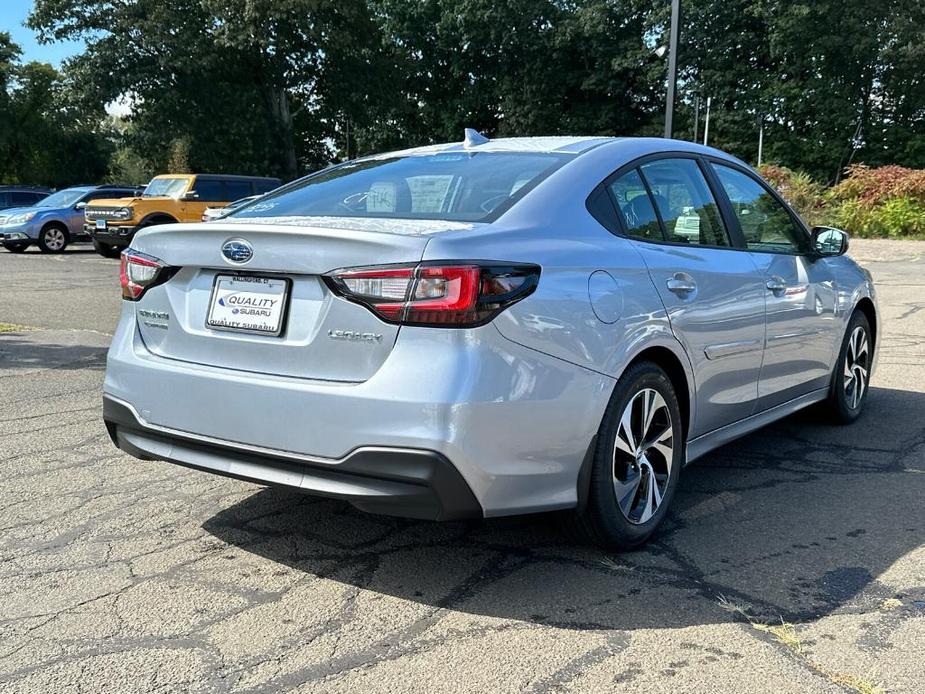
[(139, 272), (436, 294)]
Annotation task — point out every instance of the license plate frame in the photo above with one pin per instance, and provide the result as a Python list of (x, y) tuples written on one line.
[(100, 225), (252, 280)]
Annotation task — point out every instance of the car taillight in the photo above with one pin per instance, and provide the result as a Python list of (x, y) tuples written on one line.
[(139, 272), (436, 294)]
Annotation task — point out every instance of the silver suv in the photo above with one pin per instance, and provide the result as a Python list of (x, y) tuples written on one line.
[(489, 328)]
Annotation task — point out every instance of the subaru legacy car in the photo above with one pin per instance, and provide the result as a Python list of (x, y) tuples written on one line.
[(55, 221), (488, 328)]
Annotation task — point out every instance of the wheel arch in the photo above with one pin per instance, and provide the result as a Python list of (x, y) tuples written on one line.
[(680, 376), (866, 306), (158, 218), (55, 223)]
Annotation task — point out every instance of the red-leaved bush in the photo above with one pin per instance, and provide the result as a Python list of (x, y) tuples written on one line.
[(875, 186)]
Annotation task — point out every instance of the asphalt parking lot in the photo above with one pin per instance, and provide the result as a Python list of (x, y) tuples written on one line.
[(794, 560)]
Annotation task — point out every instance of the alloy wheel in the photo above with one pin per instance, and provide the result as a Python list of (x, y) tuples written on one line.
[(54, 239), (643, 453), (857, 367)]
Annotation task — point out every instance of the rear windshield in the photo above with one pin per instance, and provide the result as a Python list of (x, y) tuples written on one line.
[(464, 186)]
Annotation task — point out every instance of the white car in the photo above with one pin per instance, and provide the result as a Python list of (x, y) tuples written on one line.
[(212, 213)]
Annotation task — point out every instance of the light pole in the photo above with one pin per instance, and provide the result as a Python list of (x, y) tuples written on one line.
[(672, 66)]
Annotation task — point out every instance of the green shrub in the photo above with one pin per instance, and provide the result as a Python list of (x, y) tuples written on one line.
[(899, 218), (886, 202)]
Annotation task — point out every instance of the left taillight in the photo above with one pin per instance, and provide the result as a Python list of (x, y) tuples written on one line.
[(436, 294), (139, 272)]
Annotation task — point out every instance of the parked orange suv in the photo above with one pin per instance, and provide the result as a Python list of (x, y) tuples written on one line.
[(167, 199)]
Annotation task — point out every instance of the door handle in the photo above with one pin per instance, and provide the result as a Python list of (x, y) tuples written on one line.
[(776, 285), (681, 284)]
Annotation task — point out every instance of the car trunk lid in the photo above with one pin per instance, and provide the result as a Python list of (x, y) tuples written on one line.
[(322, 336)]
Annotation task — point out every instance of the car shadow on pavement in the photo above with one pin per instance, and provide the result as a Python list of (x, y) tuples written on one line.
[(18, 351), (793, 522)]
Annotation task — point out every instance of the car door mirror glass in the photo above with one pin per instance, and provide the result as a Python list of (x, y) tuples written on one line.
[(828, 241)]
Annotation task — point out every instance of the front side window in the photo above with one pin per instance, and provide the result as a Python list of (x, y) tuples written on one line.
[(463, 186), (165, 187), (765, 223), (635, 205), (687, 207)]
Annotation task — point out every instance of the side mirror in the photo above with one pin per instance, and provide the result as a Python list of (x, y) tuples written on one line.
[(190, 195), (80, 205), (829, 241)]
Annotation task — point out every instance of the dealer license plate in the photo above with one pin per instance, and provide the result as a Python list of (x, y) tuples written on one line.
[(248, 304)]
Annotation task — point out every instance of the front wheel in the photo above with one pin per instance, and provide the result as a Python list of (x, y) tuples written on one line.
[(851, 380), (640, 451), (53, 239), (105, 250)]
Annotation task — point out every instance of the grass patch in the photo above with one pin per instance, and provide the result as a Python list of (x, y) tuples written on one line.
[(14, 328), (787, 635)]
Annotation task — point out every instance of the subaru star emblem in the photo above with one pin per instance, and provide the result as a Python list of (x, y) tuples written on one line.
[(237, 250)]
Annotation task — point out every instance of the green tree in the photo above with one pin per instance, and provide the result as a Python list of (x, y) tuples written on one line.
[(45, 137)]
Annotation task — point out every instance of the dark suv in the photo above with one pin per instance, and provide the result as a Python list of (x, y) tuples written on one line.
[(21, 196)]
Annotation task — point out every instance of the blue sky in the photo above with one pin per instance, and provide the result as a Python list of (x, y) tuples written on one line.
[(12, 15)]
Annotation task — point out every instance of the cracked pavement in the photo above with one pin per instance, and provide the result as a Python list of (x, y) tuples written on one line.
[(122, 575)]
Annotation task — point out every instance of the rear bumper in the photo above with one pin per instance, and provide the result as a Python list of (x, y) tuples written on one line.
[(514, 423), (390, 481)]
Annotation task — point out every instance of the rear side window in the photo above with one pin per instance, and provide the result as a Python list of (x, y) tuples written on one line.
[(765, 223), (464, 186), (261, 187), (210, 190), (235, 190), (4, 200), (635, 205), (19, 199), (684, 201)]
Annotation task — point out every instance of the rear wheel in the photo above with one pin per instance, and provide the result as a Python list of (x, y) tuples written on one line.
[(639, 455), (850, 382), (106, 250), (16, 247), (53, 238)]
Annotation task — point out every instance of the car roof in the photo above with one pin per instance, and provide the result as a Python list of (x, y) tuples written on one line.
[(623, 147), (25, 189), (563, 144), (221, 177)]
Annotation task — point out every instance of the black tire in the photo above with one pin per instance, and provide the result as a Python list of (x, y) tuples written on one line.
[(53, 238), (603, 520), (16, 247), (842, 406), (106, 250)]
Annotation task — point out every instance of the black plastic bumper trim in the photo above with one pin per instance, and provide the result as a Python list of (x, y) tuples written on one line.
[(398, 482)]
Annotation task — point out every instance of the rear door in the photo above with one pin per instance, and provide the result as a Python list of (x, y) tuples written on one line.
[(712, 292), (801, 291)]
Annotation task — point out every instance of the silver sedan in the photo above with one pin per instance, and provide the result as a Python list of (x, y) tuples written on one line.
[(489, 327)]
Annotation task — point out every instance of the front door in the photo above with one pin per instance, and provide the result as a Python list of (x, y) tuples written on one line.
[(714, 297), (802, 296)]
